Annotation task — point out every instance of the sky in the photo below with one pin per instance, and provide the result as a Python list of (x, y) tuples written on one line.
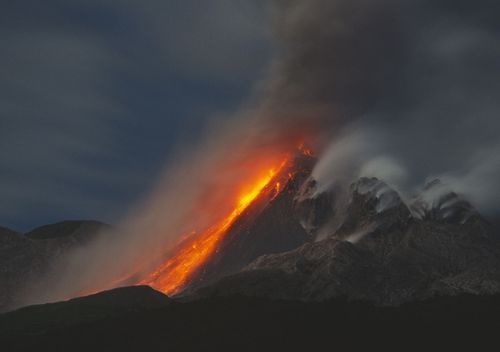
[(96, 95), (99, 96)]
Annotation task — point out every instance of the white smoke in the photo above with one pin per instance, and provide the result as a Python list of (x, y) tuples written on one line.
[(358, 152)]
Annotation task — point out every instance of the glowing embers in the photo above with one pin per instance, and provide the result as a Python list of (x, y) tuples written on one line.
[(177, 271)]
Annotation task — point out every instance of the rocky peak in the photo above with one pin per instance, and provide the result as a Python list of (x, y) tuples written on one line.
[(376, 193), (373, 214), (369, 204), (438, 201)]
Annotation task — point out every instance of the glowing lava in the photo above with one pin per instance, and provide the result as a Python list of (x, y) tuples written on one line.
[(175, 273)]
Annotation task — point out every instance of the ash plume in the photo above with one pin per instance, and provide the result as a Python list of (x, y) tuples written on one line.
[(419, 79), (405, 89)]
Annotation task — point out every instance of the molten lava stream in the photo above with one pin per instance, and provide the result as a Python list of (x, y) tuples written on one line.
[(173, 275)]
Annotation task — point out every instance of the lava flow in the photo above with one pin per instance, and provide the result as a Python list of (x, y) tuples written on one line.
[(176, 272)]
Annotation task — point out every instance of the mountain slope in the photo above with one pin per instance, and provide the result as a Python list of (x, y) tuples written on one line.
[(269, 225), (378, 252)]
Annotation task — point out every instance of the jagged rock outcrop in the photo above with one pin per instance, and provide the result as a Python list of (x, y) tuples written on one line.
[(314, 208), (438, 202)]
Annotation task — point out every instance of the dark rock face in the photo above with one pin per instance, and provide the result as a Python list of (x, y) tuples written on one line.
[(271, 225), (379, 252), (23, 257), (374, 212), (315, 209)]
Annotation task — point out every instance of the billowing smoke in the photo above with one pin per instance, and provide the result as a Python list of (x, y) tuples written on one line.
[(412, 88), (407, 89)]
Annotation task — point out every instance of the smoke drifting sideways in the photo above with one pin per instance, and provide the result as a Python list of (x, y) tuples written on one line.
[(405, 90), (413, 88)]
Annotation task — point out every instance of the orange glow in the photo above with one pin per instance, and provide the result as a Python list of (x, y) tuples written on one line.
[(176, 272)]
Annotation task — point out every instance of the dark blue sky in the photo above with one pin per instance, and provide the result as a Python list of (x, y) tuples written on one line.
[(96, 94)]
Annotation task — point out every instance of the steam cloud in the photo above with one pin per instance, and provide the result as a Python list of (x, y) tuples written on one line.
[(406, 90)]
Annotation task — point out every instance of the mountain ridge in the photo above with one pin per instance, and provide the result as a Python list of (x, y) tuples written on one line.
[(379, 252), (249, 324), (23, 257)]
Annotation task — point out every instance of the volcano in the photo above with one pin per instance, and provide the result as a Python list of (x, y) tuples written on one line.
[(297, 241), (357, 259), (366, 243), (307, 259), (289, 238), (259, 224)]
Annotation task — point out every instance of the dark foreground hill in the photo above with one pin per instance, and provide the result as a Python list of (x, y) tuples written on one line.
[(48, 317), (140, 319)]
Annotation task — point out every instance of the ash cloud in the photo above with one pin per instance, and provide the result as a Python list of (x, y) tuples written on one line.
[(421, 78), (406, 90)]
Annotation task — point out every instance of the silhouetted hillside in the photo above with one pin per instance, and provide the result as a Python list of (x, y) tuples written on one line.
[(75, 228), (245, 324), (27, 256)]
